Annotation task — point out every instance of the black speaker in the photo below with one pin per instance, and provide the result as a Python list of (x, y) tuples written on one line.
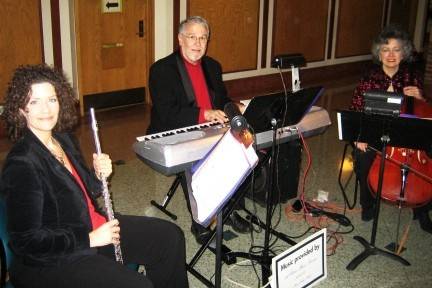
[(287, 177), (288, 171)]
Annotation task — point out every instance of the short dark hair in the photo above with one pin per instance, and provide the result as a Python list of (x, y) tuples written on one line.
[(18, 95), (393, 31)]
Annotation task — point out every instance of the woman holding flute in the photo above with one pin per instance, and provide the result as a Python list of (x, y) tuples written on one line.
[(59, 235)]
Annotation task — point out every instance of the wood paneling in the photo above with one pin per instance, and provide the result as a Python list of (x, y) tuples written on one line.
[(300, 27), (234, 31), (264, 34), (330, 29), (358, 24), (20, 37), (176, 22), (328, 76), (404, 13)]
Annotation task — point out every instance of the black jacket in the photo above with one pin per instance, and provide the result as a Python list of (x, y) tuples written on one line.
[(48, 218), (171, 91)]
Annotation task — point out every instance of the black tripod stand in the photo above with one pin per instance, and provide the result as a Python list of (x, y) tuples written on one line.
[(382, 130), (370, 248), (163, 207)]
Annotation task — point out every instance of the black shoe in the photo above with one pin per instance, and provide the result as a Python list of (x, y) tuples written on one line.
[(425, 221), (238, 223), (368, 214), (202, 234)]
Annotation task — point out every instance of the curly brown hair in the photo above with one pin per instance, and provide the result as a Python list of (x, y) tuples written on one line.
[(18, 95)]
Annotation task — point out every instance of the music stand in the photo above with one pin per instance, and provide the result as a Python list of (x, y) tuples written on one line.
[(287, 110), (231, 159), (381, 131)]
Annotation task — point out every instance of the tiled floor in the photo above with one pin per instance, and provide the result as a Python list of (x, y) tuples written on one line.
[(134, 184)]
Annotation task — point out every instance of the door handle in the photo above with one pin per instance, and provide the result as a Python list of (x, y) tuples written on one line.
[(140, 29), (112, 45)]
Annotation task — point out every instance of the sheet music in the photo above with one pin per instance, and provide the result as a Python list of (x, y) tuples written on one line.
[(219, 175), (245, 103)]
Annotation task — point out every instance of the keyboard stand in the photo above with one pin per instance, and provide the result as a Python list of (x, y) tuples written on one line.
[(170, 194)]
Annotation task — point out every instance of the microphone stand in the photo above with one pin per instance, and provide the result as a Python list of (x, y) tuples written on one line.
[(265, 257)]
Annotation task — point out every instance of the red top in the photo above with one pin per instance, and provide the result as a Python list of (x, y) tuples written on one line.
[(202, 97), (96, 218)]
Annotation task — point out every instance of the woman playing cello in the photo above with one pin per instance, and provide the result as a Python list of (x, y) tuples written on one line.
[(392, 54)]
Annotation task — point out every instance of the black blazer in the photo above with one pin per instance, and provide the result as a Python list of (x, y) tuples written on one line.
[(171, 91), (48, 219)]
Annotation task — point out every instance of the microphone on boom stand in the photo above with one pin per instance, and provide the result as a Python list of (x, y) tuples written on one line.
[(237, 120), (239, 126)]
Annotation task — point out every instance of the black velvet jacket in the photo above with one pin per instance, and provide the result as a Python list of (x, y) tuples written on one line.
[(48, 218), (173, 98)]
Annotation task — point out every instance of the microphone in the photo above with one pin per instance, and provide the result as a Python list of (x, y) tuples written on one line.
[(237, 121)]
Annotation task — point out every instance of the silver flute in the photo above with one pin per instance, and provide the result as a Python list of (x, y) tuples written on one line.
[(105, 191)]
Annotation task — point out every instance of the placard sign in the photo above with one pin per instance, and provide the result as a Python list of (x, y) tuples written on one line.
[(111, 6), (303, 265)]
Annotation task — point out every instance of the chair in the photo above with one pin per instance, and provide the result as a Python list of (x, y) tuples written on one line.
[(5, 252), (343, 186)]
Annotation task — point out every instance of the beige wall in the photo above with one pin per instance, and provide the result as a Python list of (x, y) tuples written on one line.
[(251, 65)]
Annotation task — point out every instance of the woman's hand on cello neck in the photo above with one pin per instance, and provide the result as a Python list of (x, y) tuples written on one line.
[(361, 146), (413, 91)]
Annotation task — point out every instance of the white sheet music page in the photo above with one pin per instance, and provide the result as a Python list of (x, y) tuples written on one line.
[(219, 175)]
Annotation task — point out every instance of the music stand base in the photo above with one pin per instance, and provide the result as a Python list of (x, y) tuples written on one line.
[(394, 247), (228, 256), (372, 250), (278, 234)]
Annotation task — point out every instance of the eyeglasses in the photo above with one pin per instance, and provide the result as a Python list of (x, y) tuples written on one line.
[(388, 50), (194, 38)]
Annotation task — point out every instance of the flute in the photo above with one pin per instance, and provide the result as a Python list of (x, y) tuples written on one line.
[(105, 191)]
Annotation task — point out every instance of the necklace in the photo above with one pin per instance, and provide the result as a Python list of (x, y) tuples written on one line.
[(60, 156)]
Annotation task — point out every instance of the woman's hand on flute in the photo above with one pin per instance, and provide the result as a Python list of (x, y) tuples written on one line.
[(102, 165), (108, 233)]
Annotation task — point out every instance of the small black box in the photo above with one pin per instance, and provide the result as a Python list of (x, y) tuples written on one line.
[(288, 60), (382, 102)]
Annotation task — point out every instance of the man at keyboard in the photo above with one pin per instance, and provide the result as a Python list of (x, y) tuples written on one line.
[(186, 89)]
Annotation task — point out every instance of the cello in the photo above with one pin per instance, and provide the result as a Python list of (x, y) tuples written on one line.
[(407, 176), (407, 179)]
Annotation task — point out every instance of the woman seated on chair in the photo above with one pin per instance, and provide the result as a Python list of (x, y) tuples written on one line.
[(392, 54), (59, 235)]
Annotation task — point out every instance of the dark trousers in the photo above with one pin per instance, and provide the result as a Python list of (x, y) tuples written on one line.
[(362, 164), (157, 244)]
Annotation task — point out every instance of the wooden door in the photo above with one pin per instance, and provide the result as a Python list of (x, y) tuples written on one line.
[(20, 37), (112, 55)]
